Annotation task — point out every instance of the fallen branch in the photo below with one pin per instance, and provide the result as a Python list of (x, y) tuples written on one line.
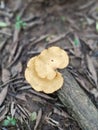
[(77, 103)]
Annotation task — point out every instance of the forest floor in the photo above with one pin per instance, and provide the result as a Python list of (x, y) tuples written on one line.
[(27, 28)]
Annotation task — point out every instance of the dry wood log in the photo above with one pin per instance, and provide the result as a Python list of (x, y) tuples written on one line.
[(78, 104)]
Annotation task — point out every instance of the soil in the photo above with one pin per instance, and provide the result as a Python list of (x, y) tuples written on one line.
[(28, 28)]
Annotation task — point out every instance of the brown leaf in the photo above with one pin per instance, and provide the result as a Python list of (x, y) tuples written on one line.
[(21, 96), (3, 112), (3, 94), (5, 75), (61, 113), (91, 68), (16, 68)]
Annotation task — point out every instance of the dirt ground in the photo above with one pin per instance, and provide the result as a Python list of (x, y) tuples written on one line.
[(26, 28)]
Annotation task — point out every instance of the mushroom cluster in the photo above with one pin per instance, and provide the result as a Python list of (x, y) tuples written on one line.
[(41, 71)]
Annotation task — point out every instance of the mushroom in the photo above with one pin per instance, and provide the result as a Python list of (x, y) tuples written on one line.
[(41, 71)]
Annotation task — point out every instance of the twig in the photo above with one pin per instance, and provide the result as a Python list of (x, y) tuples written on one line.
[(6, 33), (16, 57), (86, 5), (23, 110), (33, 23), (4, 112), (3, 44), (29, 18), (13, 79), (91, 36), (12, 53), (38, 119), (10, 15), (58, 38), (42, 95), (41, 38)]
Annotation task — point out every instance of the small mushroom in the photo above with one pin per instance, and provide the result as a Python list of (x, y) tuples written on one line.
[(41, 71)]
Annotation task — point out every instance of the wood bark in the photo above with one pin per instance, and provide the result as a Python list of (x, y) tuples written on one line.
[(78, 104)]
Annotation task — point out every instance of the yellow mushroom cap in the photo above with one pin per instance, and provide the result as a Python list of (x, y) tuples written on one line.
[(42, 84), (41, 70), (49, 60)]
